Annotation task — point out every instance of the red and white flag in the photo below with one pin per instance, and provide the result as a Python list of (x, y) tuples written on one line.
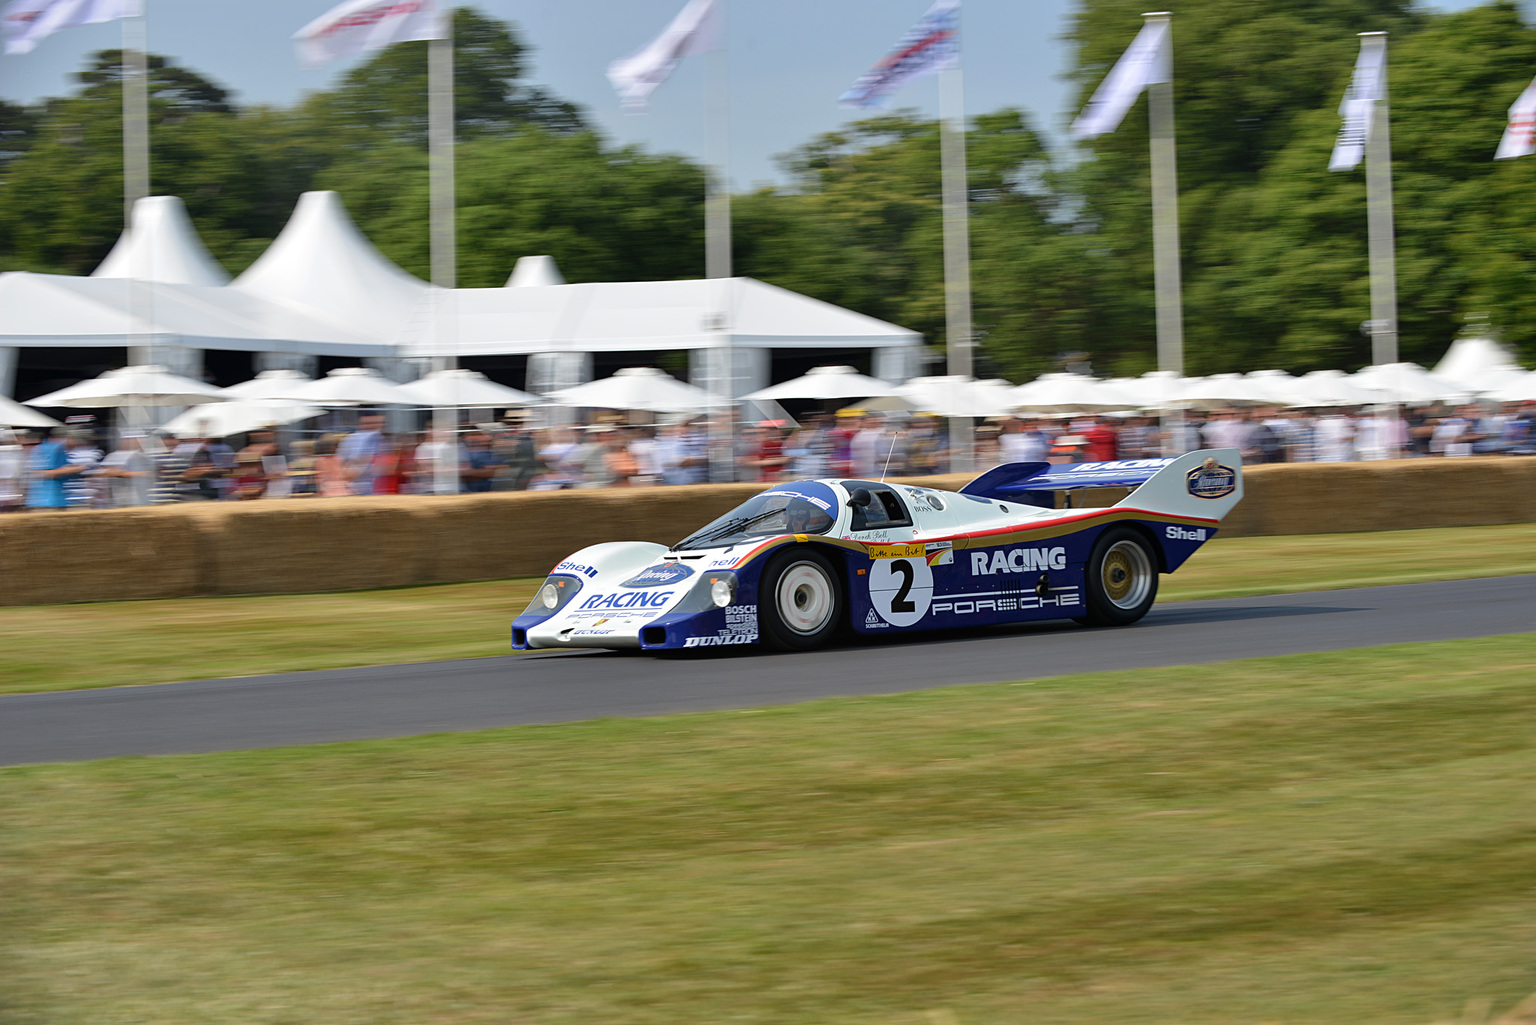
[(1520, 134), (696, 29), (26, 23), (359, 26)]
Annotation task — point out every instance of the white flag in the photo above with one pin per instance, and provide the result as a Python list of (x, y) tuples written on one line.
[(28, 22), (694, 30), (1358, 108), (358, 26), (933, 44), (1520, 135), (1147, 61)]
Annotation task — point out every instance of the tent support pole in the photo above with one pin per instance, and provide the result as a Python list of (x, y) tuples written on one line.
[(957, 255), (444, 246)]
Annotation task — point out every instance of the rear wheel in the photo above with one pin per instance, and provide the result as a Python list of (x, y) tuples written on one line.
[(1122, 578), (800, 600)]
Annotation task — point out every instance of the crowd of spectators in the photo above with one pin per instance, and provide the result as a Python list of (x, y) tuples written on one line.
[(68, 468)]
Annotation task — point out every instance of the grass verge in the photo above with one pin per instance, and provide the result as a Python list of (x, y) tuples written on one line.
[(1341, 838), (113, 643)]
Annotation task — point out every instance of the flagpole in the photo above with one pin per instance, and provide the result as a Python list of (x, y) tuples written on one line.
[(1165, 233), (957, 252), (440, 139), (717, 254), (135, 86), (1378, 203)]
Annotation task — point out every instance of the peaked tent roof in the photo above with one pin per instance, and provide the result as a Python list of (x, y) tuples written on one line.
[(535, 270), (323, 265), (162, 245), (1470, 361), (631, 316)]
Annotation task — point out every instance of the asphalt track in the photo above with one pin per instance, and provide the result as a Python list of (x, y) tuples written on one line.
[(563, 686)]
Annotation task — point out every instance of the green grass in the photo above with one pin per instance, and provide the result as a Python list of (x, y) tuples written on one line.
[(115, 643), (1342, 838)]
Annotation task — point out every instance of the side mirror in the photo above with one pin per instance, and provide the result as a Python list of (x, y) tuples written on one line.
[(860, 498)]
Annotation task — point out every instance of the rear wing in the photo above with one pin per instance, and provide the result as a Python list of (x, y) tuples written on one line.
[(1205, 484)]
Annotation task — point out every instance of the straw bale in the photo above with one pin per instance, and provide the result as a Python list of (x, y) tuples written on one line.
[(299, 546), (53, 557)]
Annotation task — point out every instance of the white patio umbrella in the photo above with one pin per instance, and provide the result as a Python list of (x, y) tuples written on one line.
[(464, 389), (145, 385), (238, 416), (1066, 393), (1276, 386), (957, 395), (1157, 389), (1221, 390), (269, 384), (826, 383), (349, 386), (1408, 383), (642, 388), (1331, 388), (14, 414)]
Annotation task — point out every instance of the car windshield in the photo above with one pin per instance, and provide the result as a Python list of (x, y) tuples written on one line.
[(773, 512)]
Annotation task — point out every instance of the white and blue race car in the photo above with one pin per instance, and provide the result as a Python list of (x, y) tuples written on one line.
[(805, 561)]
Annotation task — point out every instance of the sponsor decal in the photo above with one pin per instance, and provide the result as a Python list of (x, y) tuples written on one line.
[(874, 622), (1059, 597), (575, 567), (1183, 534), (741, 619), (900, 589), (718, 639), (940, 553), (896, 551), (632, 600), (1115, 465), (1211, 480), (819, 495), (659, 576), (1017, 560)]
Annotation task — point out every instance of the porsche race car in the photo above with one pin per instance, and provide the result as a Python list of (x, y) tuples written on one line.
[(804, 561)]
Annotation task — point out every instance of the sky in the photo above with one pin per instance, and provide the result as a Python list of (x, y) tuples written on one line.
[(787, 62)]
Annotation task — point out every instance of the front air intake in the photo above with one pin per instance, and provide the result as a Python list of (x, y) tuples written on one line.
[(653, 636)]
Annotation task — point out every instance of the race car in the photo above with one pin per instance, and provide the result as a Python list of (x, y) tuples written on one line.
[(805, 561)]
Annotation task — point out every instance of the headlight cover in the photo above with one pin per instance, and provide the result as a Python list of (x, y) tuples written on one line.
[(723, 590), (553, 595)]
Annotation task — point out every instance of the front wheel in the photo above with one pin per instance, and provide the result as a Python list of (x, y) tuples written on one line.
[(1122, 579), (800, 600)]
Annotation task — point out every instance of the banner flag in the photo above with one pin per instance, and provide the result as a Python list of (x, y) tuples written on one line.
[(26, 23), (930, 46), (360, 26), (696, 29), (1358, 109), (1147, 61), (1520, 135)]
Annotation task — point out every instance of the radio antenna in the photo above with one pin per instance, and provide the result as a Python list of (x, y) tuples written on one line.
[(887, 467)]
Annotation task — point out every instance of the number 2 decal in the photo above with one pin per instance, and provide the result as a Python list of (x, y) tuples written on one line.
[(900, 590)]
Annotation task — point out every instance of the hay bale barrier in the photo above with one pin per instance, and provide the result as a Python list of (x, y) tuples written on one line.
[(305, 546)]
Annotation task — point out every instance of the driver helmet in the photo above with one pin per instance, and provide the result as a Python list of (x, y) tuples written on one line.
[(801, 516)]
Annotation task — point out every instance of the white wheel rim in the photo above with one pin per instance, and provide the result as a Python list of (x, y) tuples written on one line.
[(1126, 574), (804, 598)]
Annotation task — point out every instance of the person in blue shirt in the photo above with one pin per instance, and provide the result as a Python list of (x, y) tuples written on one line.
[(47, 467)]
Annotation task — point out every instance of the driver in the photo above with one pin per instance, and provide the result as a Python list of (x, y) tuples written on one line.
[(801, 517)]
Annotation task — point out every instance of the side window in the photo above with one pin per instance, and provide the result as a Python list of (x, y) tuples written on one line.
[(884, 510)]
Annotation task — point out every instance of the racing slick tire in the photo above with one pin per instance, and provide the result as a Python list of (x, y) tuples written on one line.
[(800, 600), (1121, 578)]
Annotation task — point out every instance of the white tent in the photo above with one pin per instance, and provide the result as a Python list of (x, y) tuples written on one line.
[(162, 245), (59, 310), (269, 384), (1473, 362), (131, 386), (1328, 388), (1222, 390), (1156, 389), (323, 265), (639, 316), (1276, 387), (530, 271), (1408, 383), (642, 388), (826, 383), (1516, 388)]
